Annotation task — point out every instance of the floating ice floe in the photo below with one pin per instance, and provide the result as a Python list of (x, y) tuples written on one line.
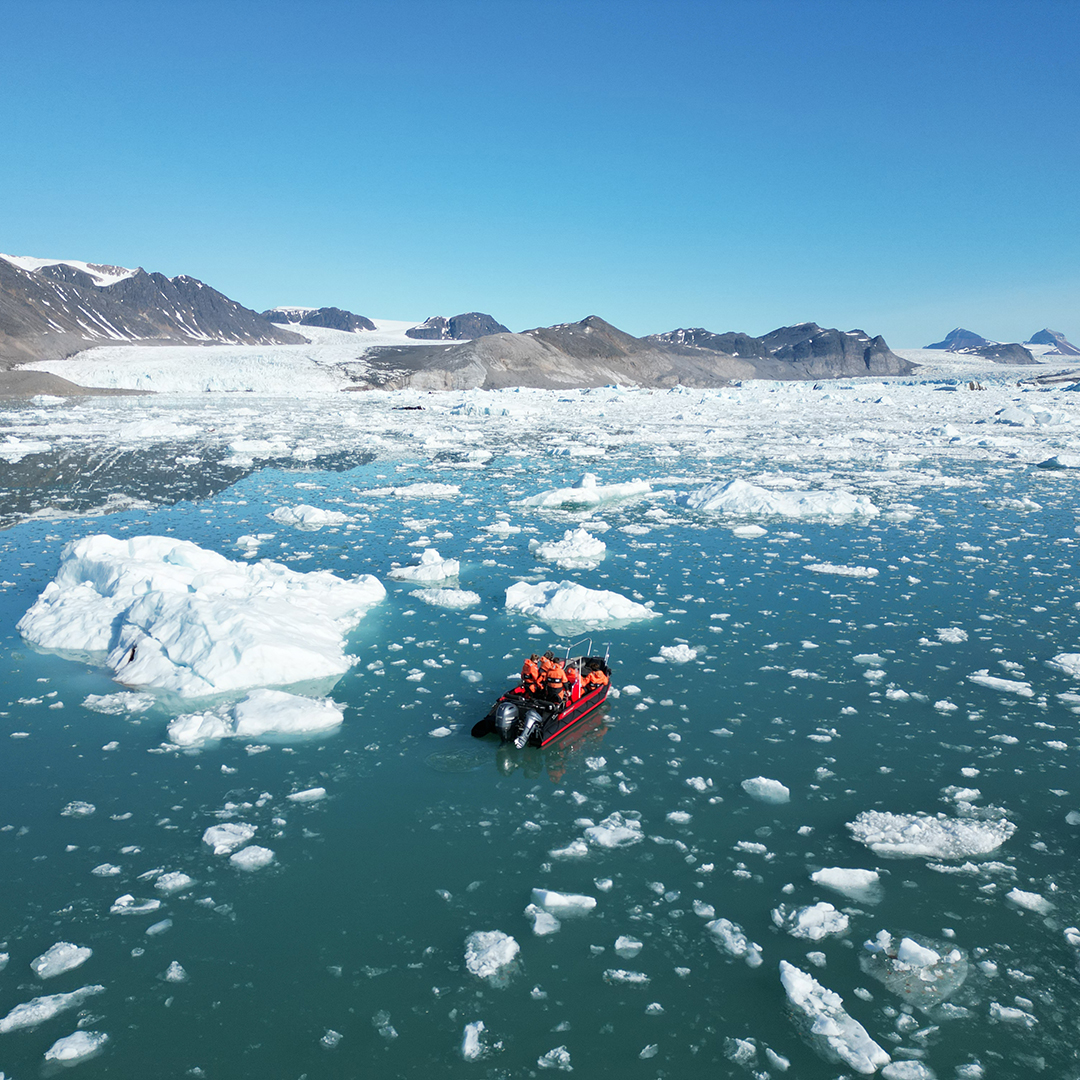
[(819, 1013), (1030, 901), (417, 491), (454, 599), (677, 654), (58, 958), (842, 571), (1061, 461), (732, 939), (586, 492), (76, 1047), (308, 795), (1067, 663), (563, 903), (173, 882), (124, 701), (560, 602), (626, 978), (862, 886), (559, 1059), (431, 567), (577, 548), (615, 831), (489, 954), (252, 858), (40, 1009), (543, 922), (174, 616), (922, 973), (745, 499), (952, 635), (627, 947), (308, 517), (765, 790), (811, 923), (261, 713), (1026, 416), (471, 1047), (923, 836), (1006, 686), (224, 839), (78, 809), (129, 905)]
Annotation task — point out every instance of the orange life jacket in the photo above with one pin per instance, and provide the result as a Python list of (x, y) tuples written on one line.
[(530, 673)]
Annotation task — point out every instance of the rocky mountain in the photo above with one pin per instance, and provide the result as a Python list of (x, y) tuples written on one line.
[(467, 327), (595, 353), (50, 309), (1003, 353), (958, 340), (1062, 346), (331, 317)]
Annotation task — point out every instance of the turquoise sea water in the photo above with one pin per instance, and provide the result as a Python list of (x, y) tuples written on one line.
[(359, 925)]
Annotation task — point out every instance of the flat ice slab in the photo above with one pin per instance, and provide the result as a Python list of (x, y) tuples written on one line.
[(75, 1047), (61, 957), (174, 616), (568, 602), (765, 790), (489, 953), (40, 1009), (738, 497), (922, 836), (261, 713), (586, 492), (820, 1014), (863, 886)]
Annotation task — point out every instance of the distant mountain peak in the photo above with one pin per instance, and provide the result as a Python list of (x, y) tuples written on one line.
[(465, 327), (330, 317), (1062, 346), (959, 339)]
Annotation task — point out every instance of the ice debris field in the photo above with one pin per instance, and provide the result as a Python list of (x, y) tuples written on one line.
[(827, 824)]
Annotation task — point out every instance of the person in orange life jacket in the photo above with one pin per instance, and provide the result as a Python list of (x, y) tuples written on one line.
[(555, 681), (530, 673), (595, 678), (573, 680)]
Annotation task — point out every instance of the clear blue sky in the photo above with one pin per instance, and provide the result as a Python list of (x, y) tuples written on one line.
[(904, 167)]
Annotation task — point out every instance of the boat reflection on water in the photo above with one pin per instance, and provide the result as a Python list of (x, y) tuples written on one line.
[(563, 752)]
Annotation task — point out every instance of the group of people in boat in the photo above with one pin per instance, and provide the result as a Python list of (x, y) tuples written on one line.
[(548, 677)]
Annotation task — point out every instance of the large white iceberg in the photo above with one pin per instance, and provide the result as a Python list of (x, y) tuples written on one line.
[(586, 491), (746, 499), (922, 836), (819, 1013), (174, 616), (431, 567), (567, 602)]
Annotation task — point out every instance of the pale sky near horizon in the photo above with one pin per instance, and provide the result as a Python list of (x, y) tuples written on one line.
[(901, 166)]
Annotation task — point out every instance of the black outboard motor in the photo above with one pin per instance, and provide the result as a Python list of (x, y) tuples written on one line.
[(505, 717), (532, 720)]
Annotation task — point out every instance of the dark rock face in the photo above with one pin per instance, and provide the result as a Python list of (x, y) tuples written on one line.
[(1062, 346), (732, 343), (59, 310), (958, 340), (1009, 353), (467, 327), (331, 317)]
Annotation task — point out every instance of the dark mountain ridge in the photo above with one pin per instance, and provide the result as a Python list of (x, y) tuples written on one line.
[(331, 317), (1062, 346), (466, 327), (56, 310)]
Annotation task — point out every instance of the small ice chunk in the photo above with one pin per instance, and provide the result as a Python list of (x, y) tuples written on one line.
[(175, 973), (843, 571), (812, 923), (576, 849), (862, 886), (173, 882), (820, 1014), (228, 837), (1006, 686), (952, 635), (471, 1047), (106, 870), (1068, 663), (128, 905), (489, 955), (627, 947), (922, 973), (678, 654), (78, 809), (330, 1039), (559, 1059), (40, 1009), (1031, 901), (563, 903), (543, 922), (577, 546), (907, 1070), (76, 1046), (431, 567), (314, 794), (58, 958), (732, 939), (452, 599), (766, 790), (586, 491), (252, 858), (626, 978), (615, 831), (307, 517)]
